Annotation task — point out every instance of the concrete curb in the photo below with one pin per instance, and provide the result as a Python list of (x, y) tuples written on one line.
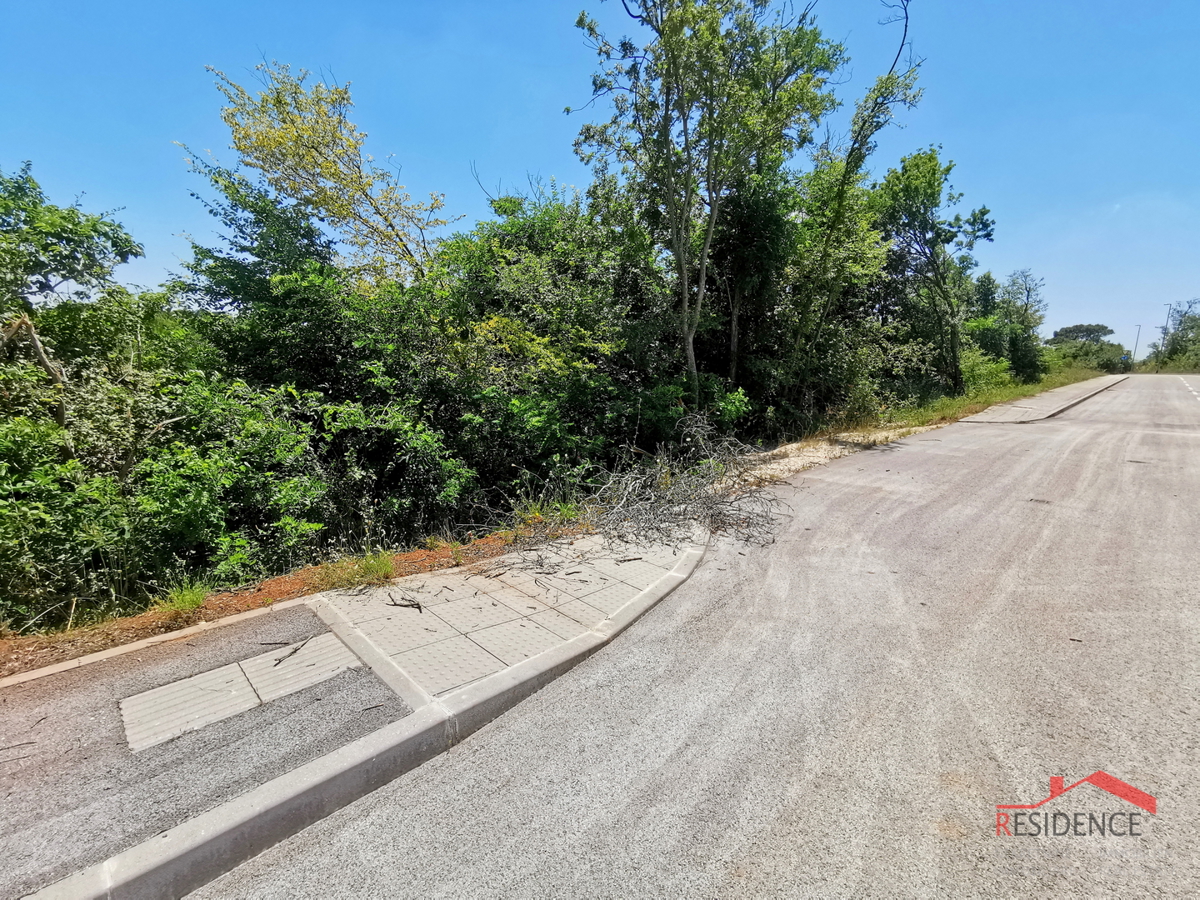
[(1055, 412), (194, 853), (1087, 396), (101, 655)]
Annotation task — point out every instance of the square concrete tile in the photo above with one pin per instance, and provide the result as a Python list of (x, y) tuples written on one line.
[(448, 664), (406, 629), (585, 615), (477, 612), (572, 582), (435, 588), (612, 597), (362, 608), (562, 625), (663, 557), (629, 569), (519, 601), (162, 713), (516, 641), (283, 672)]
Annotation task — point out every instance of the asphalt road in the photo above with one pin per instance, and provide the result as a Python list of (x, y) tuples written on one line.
[(72, 794), (942, 626)]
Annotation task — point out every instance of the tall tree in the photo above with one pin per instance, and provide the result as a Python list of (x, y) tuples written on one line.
[(298, 134), (915, 202), (751, 248), (720, 84), (1023, 303)]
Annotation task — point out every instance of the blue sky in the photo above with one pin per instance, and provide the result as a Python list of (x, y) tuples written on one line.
[(1077, 123)]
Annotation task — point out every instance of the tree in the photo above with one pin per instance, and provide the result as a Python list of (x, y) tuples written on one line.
[(721, 84), (751, 248), (1022, 301), (986, 300), (934, 248), (300, 137), (1093, 333), (44, 248)]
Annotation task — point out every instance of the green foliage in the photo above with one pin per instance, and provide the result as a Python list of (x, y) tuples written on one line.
[(1093, 333), (299, 136), (722, 86), (931, 249), (1102, 355), (328, 381), (45, 247), (983, 372)]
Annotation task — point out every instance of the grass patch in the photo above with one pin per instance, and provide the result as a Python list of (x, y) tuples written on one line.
[(184, 596), (375, 569), (951, 409)]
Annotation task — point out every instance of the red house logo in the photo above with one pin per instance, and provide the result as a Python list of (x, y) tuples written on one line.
[(1120, 824)]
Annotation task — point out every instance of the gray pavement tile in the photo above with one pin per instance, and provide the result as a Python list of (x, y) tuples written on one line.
[(158, 715), (474, 613), (283, 672), (611, 597), (516, 641), (406, 629), (571, 583), (562, 625), (581, 612), (440, 587), (374, 605), (630, 570), (448, 664), (524, 603)]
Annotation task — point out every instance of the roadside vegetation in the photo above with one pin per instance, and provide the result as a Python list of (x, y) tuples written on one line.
[(351, 370), (1179, 350)]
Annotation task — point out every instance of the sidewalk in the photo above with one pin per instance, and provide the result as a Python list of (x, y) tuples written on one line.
[(150, 771), (1046, 405)]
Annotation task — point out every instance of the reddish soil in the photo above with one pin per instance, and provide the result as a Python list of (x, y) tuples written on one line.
[(25, 653)]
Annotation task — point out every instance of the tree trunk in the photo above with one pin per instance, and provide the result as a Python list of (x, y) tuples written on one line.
[(735, 308)]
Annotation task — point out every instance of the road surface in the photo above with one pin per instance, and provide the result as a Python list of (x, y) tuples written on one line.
[(943, 625)]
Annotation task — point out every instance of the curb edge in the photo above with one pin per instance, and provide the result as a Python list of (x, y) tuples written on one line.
[(203, 848)]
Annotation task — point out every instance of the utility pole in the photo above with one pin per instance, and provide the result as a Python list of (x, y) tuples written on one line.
[(1135, 342)]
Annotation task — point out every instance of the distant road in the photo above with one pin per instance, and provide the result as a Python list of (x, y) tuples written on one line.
[(943, 625)]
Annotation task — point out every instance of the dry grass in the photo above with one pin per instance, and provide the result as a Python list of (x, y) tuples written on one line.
[(788, 459)]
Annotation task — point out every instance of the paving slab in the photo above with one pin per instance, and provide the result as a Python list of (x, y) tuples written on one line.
[(458, 647), (75, 792)]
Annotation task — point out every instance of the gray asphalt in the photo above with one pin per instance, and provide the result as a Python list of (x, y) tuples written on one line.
[(943, 624), (73, 794)]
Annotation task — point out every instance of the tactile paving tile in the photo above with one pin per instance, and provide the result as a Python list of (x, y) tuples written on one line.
[(283, 672), (448, 664), (569, 584), (611, 598), (585, 615), (406, 630), (633, 571), (373, 605), (432, 590), (475, 613), (516, 641), (663, 557), (518, 601), (162, 713), (562, 625)]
